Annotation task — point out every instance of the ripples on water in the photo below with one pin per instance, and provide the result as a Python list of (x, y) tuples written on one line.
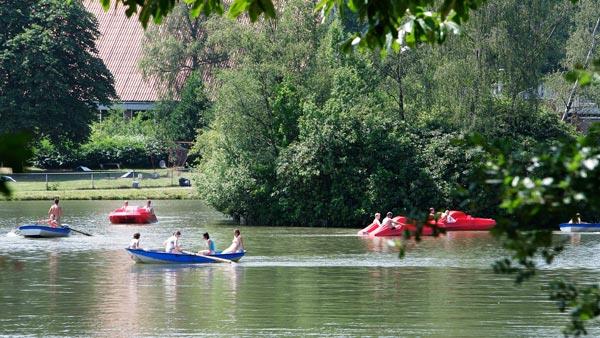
[(293, 282)]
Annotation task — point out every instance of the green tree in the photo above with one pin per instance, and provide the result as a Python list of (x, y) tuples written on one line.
[(51, 79), (181, 120), (179, 47)]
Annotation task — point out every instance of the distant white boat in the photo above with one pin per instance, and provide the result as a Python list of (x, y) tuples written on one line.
[(580, 227)]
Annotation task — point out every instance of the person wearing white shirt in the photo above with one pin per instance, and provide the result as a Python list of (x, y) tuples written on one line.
[(388, 221), (135, 242), (172, 244)]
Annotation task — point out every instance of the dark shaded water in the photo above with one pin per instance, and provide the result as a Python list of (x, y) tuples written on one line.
[(293, 282)]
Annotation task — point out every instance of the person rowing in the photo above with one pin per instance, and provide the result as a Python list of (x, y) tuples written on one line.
[(172, 243)]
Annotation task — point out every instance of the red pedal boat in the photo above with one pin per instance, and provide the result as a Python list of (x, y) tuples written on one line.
[(458, 221), (132, 215)]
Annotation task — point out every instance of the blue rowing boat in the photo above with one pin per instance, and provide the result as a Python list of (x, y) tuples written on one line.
[(158, 256), (43, 231), (580, 227)]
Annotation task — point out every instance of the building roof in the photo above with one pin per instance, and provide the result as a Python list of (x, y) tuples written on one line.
[(120, 47)]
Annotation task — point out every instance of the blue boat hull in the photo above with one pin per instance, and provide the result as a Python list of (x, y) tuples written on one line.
[(156, 256), (580, 227), (42, 231)]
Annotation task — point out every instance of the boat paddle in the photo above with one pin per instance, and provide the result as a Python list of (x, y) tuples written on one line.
[(79, 231), (218, 259)]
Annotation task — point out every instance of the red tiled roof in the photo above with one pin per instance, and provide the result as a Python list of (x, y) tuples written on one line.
[(120, 47)]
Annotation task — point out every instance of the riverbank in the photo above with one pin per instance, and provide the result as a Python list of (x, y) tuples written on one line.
[(161, 193)]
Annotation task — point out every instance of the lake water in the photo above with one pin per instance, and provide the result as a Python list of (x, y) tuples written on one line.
[(293, 281)]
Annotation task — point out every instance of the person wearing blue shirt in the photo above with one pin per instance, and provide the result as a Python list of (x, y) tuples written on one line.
[(209, 244)]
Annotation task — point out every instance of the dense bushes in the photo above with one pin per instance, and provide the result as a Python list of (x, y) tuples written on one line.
[(131, 143), (48, 155), (130, 151)]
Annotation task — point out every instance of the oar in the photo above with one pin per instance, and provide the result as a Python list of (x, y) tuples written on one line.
[(218, 259), (79, 231)]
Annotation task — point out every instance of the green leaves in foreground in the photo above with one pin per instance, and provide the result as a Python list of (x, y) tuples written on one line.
[(585, 77), (389, 24), (157, 10), (583, 304), (539, 194)]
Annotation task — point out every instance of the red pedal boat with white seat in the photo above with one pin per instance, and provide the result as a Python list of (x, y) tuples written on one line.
[(458, 221), (132, 215)]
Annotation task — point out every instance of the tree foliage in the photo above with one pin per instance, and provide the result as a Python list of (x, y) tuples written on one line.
[(51, 79), (179, 47), (305, 134), (180, 120), (388, 23)]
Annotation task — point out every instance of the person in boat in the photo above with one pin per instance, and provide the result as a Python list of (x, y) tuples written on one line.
[(237, 245), (431, 213), (576, 219), (149, 207), (388, 221), (50, 221), (172, 243), (209, 244), (55, 212), (447, 217), (377, 219), (135, 242), (125, 205)]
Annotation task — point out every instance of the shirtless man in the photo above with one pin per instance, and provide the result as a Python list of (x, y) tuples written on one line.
[(55, 212)]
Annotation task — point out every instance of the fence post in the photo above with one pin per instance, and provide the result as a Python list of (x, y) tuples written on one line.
[(46, 182), (93, 181)]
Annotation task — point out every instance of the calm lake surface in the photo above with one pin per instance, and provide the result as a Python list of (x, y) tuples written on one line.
[(292, 282)]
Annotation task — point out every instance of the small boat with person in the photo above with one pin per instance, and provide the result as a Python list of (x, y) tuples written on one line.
[(580, 227), (451, 221), (132, 214), (160, 256)]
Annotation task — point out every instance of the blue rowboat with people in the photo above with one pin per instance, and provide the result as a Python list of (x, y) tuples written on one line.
[(159, 256)]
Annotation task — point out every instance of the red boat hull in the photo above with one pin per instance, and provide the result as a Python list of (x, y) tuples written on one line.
[(460, 222), (132, 215)]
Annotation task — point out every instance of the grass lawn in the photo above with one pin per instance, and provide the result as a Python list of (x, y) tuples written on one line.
[(108, 194), (153, 184)]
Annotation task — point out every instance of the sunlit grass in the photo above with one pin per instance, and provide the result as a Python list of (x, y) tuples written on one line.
[(154, 184), (109, 194)]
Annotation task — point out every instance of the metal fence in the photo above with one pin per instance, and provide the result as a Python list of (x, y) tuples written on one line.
[(95, 180)]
